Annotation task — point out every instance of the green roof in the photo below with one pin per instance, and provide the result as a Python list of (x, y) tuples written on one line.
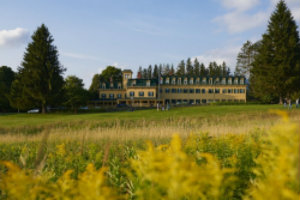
[(141, 82)]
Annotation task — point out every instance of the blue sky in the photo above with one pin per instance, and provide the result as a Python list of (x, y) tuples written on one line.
[(92, 34)]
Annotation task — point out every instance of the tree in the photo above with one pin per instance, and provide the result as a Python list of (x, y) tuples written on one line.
[(172, 71), (166, 70), (7, 76), (276, 69), (155, 71), (225, 70), (111, 72), (149, 72), (94, 87), (203, 70), (41, 70), (189, 67), (75, 94), (196, 67), (245, 59), (181, 69)]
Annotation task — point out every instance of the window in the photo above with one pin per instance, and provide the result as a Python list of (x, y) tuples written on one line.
[(229, 90), (103, 96), (191, 101), (119, 86), (236, 91), (236, 81), (111, 96), (191, 90), (210, 91), (173, 90), (173, 101), (173, 81), (131, 94), (223, 81), (191, 81), (197, 101), (119, 96), (204, 81), (210, 81), (179, 81), (148, 82), (242, 91), (197, 81), (203, 91), (242, 81), (150, 94), (167, 81), (126, 76), (141, 94), (229, 81), (167, 90), (103, 86), (185, 81), (203, 100), (224, 91), (217, 91), (197, 90), (185, 90), (160, 90), (161, 81), (179, 90)]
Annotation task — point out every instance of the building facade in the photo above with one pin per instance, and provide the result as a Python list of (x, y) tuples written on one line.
[(172, 90)]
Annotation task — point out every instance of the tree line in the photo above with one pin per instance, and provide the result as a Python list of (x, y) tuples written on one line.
[(188, 68)]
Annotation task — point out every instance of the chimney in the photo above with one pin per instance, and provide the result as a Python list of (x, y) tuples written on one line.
[(139, 75)]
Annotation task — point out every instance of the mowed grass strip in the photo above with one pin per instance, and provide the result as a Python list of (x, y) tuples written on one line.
[(19, 120)]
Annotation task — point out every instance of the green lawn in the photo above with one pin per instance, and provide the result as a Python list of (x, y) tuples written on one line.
[(21, 120)]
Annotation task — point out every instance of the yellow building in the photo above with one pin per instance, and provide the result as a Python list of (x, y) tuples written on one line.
[(171, 90)]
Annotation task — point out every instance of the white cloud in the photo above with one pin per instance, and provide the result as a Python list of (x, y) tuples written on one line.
[(14, 37), (240, 5), (237, 21)]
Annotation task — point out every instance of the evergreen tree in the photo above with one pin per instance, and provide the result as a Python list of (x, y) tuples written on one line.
[(172, 70), (160, 69), (145, 73), (276, 69), (166, 70), (181, 69), (203, 70), (94, 87), (189, 67), (149, 74), (7, 76), (41, 70), (155, 71), (196, 67)]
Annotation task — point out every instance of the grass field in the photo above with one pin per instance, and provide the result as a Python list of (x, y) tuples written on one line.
[(220, 152)]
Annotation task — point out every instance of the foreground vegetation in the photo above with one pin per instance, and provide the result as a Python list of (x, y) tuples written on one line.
[(244, 152)]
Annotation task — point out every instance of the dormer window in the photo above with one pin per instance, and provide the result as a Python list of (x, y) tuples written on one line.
[(179, 81), (119, 86), (148, 83), (204, 81), (133, 82), (103, 86), (236, 81), (242, 81), (229, 81), (197, 80), (161, 81), (185, 81), (210, 81), (167, 80), (223, 81), (111, 85), (191, 81), (173, 81)]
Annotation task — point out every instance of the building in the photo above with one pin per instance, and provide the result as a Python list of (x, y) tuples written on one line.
[(137, 92)]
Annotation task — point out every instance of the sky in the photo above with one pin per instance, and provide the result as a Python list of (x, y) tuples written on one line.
[(91, 34)]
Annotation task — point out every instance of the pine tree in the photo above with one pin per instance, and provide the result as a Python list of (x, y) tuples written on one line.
[(155, 72), (189, 67), (41, 70), (196, 67), (181, 69), (7, 76), (166, 70), (276, 69), (172, 70), (203, 70), (149, 72)]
